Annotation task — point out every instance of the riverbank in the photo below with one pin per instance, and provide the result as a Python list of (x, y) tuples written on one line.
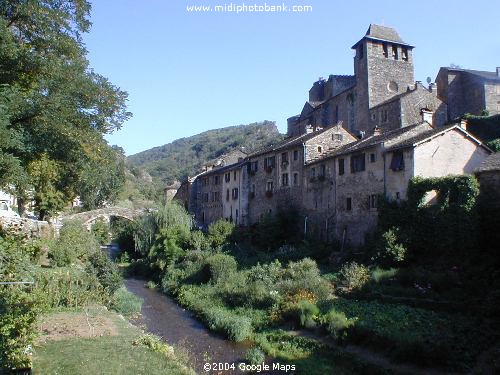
[(98, 341)]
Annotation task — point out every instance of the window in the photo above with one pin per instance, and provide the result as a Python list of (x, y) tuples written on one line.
[(374, 116), (284, 157), (320, 149), (227, 194), (295, 155), (395, 52), (252, 189), (204, 182), (234, 193), (322, 172), (255, 166), (404, 53), (337, 137), (295, 179), (205, 197), (216, 180), (383, 116), (357, 163), (313, 172), (348, 204), (398, 195), (341, 167), (384, 50), (398, 161), (269, 186), (284, 179), (227, 177), (236, 217), (234, 175), (373, 158), (372, 201), (215, 196), (270, 162)]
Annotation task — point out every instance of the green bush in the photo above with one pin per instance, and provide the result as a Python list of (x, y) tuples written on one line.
[(302, 276), (308, 312), (156, 344), (198, 241), (100, 230), (20, 305), (74, 243), (105, 270), (389, 250), (221, 266), (355, 275), (255, 356), (237, 328), (380, 274), (220, 232), (125, 302), (70, 288), (337, 323)]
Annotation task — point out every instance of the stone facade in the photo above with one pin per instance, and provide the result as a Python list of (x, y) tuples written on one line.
[(381, 92), (357, 138), (469, 91)]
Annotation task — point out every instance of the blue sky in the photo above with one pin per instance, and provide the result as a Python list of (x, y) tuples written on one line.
[(188, 72)]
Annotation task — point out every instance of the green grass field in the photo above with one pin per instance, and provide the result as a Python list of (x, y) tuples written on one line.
[(66, 351)]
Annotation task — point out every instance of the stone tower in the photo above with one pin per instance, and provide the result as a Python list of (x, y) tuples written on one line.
[(383, 66)]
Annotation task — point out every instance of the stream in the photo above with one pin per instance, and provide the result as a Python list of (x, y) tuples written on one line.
[(162, 316)]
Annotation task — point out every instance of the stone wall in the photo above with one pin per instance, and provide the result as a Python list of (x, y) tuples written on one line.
[(450, 153)]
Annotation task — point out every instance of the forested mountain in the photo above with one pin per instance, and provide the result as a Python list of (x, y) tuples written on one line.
[(186, 156)]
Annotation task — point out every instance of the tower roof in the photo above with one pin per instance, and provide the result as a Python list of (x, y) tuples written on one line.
[(382, 33)]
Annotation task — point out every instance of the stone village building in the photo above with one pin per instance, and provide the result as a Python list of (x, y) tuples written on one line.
[(357, 138)]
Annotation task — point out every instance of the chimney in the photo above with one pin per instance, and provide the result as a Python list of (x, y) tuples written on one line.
[(432, 87), (427, 115), (377, 130), (463, 122), (498, 71), (309, 129)]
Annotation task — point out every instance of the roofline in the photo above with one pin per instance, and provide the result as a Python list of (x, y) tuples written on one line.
[(382, 40), (445, 130)]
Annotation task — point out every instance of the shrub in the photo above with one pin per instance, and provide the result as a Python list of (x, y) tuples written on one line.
[(301, 276), (337, 323), (105, 270), (74, 243), (237, 328), (220, 232), (70, 288), (100, 230), (125, 302), (389, 250), (198, 241), (19, 305), (354, 275), (255, 356), (221, 266), (380, 274), (155, 343), (307, 312), (151, 285), (169, 246)]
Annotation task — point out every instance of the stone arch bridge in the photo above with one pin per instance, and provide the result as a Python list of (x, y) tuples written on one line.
[(90, 217)]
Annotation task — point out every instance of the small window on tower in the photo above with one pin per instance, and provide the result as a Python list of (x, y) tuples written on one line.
[(404, 53), (395, 52), (384, 50)]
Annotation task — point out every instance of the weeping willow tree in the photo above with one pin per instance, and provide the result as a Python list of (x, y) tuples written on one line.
[(163, 234)]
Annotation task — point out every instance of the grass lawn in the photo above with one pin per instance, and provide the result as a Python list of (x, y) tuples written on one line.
[(71, 343)]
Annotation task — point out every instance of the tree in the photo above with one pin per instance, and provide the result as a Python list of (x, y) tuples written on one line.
[(57, 107)]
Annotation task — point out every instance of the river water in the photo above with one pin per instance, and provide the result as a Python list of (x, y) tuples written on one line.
[(162, 316)]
